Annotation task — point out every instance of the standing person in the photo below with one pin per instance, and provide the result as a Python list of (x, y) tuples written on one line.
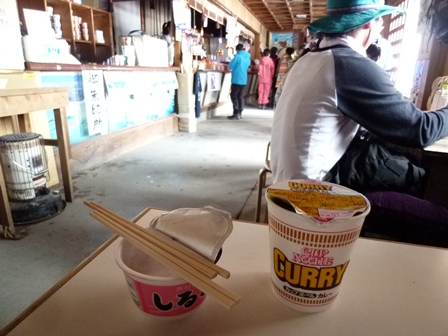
[(166, 32), (266, 71), (276, 60), (284, 65), (374, 52), (166, 35), (274, 56), (317, 130), (386, 60), (239, 65), (303, 51)]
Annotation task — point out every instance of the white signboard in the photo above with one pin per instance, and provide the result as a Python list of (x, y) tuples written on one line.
[(95, 101)]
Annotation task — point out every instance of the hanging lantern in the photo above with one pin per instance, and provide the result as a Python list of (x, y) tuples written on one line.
[(218, 25), (205, 20), (202, 31)]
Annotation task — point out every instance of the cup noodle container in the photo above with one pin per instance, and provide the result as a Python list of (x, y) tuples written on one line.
[(310, 252), (155, 289)]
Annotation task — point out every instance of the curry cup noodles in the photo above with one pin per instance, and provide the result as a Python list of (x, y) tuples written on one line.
[(203, 230), (312, 229), (156, 290)]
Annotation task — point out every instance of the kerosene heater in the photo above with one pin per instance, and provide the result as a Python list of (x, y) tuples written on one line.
[(25, 169)]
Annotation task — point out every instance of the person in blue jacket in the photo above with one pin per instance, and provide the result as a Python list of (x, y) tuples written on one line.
[(239, 65)]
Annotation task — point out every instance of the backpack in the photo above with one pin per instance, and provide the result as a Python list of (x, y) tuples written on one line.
[(374, 164)]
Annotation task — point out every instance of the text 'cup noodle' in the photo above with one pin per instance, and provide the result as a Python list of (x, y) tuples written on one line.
[(312, 229)]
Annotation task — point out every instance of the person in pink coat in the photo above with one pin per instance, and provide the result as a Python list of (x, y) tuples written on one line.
[(266, 71)]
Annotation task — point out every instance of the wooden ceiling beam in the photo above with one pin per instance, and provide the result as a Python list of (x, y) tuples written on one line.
[(280, 15), (270, 11), (262, 21)]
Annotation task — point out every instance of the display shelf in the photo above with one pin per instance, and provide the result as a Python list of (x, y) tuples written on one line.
[(83, 41), (96, 19)]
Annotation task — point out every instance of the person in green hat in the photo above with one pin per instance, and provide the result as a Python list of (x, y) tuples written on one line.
[(339, 117)]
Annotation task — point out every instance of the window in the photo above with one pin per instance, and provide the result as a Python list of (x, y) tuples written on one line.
[(405, 42)]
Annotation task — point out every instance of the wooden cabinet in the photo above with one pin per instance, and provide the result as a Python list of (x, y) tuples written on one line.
[(89, 51)]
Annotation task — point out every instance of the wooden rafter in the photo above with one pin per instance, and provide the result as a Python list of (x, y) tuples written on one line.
[(290, 11), (281, 15), (270, 11)]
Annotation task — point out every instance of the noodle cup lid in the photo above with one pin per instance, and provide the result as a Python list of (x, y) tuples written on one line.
[(323, 201), (203, 230)]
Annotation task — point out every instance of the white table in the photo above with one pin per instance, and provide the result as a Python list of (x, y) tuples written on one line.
[(440, 146), (388, 289)]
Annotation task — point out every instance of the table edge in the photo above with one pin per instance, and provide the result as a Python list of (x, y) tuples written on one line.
[(44, 297)]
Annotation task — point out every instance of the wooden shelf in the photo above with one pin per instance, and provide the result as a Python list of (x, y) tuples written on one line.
[(83, 41), (96, 19)]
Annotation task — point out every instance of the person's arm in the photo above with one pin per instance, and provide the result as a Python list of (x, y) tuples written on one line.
[(366, 95), (234, 62)]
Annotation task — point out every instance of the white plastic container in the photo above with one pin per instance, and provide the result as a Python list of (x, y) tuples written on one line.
[(155, 289)]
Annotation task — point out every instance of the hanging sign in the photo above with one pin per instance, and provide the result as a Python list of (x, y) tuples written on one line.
[(95, 101)]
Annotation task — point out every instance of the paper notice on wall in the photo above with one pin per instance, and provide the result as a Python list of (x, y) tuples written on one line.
[(214, 81), (95, 101), (181, 14), (11, 52)]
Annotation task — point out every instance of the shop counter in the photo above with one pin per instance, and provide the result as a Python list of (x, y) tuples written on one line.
[(105, 98), (107, 105), (78, 67), (216, 85)]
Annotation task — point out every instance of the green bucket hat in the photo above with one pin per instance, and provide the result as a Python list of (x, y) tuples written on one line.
[(345, 15)]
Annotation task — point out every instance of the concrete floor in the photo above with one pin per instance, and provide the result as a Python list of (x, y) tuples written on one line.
[(218, 165)]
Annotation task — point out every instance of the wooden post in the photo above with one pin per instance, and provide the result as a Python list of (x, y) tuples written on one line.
[(257, 46), (177, 53), (61, 130), (5, 211)]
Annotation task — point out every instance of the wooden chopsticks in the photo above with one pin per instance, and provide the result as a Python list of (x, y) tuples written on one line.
[(189, 265)]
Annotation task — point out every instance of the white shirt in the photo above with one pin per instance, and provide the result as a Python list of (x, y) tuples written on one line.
[(309, 133)]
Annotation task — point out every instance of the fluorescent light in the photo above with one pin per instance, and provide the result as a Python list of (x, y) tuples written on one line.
[(301, 16)]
